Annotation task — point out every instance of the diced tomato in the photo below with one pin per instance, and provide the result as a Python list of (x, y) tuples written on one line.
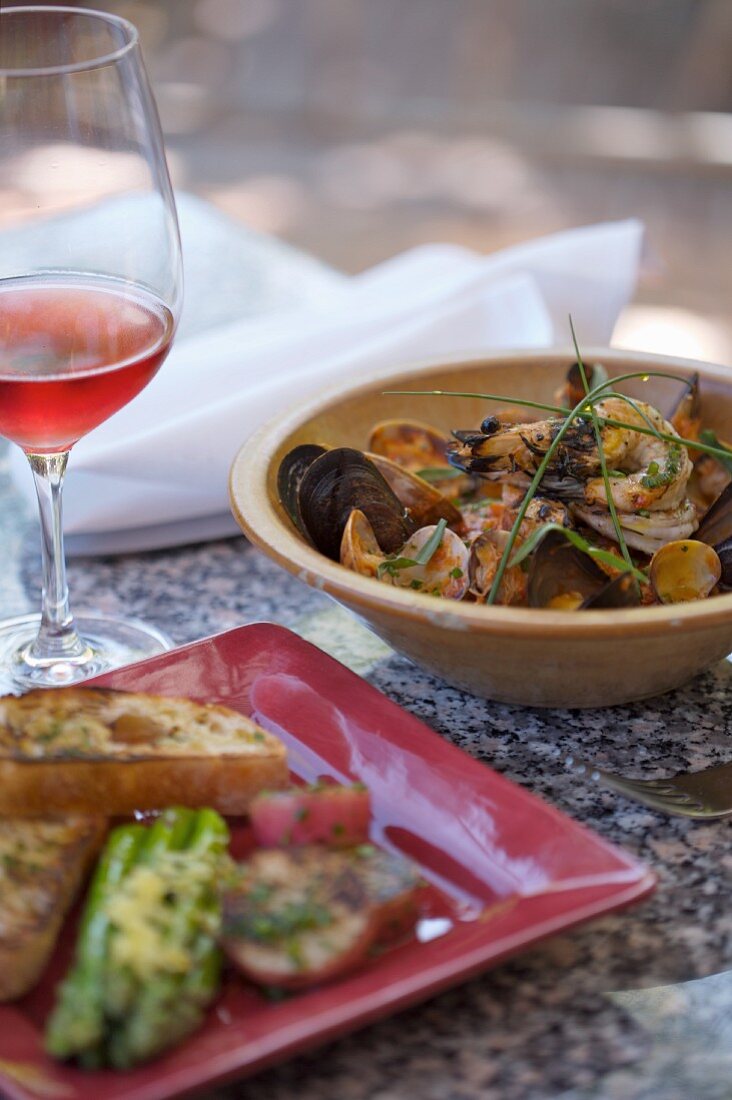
[(322, 814)]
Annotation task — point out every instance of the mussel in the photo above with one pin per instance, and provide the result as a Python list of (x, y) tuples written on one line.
[(621, 591), (336, 483), (684, 570), (685, 416), (424, 502), (573, 389), (716, 531), (289, 476), (562, 577)]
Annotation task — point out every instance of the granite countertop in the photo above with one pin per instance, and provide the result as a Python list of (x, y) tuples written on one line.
[(635, 1005)]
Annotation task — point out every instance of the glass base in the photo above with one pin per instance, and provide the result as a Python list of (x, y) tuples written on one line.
[(109, 643)]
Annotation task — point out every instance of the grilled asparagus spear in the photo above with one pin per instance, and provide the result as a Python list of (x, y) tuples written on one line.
[(146, 961)]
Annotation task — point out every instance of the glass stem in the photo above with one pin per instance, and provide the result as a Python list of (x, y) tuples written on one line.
[(57, 638)]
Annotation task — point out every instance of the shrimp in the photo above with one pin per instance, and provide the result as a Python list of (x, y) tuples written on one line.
[(646, 473), (656, 472), (647, 532)]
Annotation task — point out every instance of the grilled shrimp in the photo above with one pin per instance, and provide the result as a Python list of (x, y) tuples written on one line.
[(656, 471), (647, 532), (647, 473)]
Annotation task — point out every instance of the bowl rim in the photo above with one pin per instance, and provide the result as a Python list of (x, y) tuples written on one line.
[(275, 534)]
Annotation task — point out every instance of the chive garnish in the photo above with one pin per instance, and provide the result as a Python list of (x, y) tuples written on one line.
[(620, 538), (707, 436), (579, 412), (439, 473)]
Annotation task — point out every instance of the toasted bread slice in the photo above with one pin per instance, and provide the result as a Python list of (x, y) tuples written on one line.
[(43, 862), (89, 750)]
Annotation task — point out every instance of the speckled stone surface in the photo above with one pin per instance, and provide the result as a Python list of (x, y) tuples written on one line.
[(636, 1006)]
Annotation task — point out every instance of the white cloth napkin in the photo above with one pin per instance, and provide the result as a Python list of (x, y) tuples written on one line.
[(156, 474)]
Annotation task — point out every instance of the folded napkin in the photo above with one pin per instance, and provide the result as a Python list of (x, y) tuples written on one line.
[(156, 473)]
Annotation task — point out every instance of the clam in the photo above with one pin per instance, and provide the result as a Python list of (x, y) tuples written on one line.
[(409, 443), (289, 476), (338, 482), (563, 578), (360, 550), (417, 447), (716, 531), (684, 570), (446, 572), (486, 552), (424, 502)]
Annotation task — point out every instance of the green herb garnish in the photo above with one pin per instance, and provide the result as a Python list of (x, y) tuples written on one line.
[(655, 478), (439, 473), (708, 437)]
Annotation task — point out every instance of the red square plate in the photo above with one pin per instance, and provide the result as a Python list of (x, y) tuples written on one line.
[(504, 868)]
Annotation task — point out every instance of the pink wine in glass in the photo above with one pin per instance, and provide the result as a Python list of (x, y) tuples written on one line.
[(73, 352)]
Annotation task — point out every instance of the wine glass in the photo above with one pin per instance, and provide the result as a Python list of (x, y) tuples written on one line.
[(90, 289)]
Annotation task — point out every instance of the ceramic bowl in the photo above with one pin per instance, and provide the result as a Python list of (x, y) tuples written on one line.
[(517, 655)]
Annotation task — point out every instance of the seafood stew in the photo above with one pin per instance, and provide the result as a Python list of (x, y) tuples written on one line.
[(593, 499)]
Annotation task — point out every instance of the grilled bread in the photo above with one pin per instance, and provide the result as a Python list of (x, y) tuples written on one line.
[(43, 862), (89, 750), (296, 917)]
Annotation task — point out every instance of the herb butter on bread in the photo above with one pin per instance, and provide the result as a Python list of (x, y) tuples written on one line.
[(91, 750), (43, 862)]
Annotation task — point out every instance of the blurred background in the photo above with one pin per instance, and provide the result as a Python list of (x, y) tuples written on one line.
[(354, 129)]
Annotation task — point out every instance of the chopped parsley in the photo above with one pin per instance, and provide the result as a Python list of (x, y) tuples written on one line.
[(656, 478)]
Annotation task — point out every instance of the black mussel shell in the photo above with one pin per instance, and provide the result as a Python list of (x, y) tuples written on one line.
[(716, 531), (724, 553), (339, 481), (716, 526), (621, 591), (289, 476), (558, 568), (688, 406), (575, 387)]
